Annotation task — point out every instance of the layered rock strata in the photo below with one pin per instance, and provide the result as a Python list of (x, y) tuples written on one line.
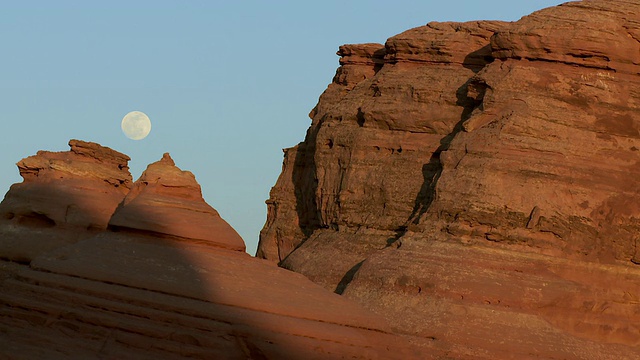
[(374, 119), (168, 278), (172, 204), (478, 186)]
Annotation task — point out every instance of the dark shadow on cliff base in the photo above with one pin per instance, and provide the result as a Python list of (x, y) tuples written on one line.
[(102, 296)]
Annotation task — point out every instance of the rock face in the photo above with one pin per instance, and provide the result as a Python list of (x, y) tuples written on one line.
[(476, 184), (81, 187), (164, 276), (75, 192), (554, 148), (370, 120), (172, 204)]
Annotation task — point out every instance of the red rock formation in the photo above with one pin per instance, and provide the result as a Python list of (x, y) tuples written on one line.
[(56, 183), (172, 204), (73, 191), (168, 279), (554, 149), (478, 188), (372, 119)]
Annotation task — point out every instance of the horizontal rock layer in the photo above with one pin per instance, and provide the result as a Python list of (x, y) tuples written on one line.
[(135, 297)]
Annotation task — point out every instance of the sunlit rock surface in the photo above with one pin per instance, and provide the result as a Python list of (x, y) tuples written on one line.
[(160, 275), (476, 184)]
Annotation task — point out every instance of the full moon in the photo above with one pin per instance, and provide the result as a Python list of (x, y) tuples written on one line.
[(136, 125)]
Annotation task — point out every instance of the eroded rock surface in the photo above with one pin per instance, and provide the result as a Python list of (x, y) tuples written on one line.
[(168, 201), (165, 277), (478, 186), (363, 161), (73, 193), (80, 187)]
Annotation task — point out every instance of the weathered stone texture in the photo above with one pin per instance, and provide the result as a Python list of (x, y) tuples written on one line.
[(162, 277), (479, 186)]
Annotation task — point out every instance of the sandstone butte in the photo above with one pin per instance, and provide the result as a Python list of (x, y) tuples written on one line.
[(477, 185), (95, 266)]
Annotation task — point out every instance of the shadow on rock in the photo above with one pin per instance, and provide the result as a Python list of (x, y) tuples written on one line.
[(469, 97), (164, 276)]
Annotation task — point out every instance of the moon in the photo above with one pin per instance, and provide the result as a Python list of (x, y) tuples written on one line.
[(136, 125)]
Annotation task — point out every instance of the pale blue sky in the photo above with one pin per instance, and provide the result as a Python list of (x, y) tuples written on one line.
[(227, 84)]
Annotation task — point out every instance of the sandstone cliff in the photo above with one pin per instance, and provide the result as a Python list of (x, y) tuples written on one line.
[(475, 183), (158, 274)]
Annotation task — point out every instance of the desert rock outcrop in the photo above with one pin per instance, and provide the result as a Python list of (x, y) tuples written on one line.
[(164, 277), (171, 203), (476, 184), (75, 192)]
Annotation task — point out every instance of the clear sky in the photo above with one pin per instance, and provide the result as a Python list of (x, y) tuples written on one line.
[(227, 84)]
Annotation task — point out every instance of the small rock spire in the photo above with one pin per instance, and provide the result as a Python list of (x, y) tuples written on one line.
[(166, 158)]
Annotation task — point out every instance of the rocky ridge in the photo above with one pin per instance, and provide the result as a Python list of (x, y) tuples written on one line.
[(152, 271), (475, 184)]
